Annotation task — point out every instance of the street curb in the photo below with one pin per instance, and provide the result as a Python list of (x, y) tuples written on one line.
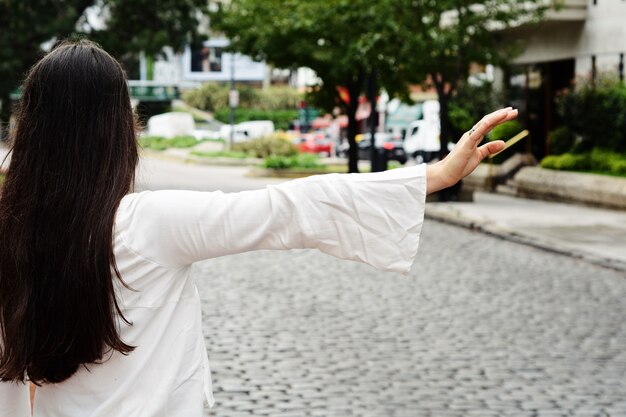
[(509, 235), (258, 172), (252, 163)]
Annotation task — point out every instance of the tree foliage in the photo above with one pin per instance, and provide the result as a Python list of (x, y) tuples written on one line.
[(128, 26), (341, 40), (452, 34), (430, 42)]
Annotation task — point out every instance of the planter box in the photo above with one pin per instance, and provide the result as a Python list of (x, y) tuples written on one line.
[(589, 189), (486, 177)]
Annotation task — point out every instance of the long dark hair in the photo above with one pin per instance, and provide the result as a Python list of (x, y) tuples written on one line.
[(73, 158)]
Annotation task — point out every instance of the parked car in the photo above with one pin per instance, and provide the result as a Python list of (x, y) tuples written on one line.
[(392, 147), (316, 143)]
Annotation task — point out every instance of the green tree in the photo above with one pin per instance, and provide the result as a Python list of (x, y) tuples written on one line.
[(130, 26), (341, 40), (404, 41), (441, 38)]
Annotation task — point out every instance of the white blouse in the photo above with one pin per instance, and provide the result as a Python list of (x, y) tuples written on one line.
[(372, 218)]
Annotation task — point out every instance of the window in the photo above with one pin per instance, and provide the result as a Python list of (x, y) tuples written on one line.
[(206, 59)]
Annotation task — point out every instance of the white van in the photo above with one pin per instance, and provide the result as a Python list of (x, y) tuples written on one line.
[(421, 140), (248, 130), (171, 124)]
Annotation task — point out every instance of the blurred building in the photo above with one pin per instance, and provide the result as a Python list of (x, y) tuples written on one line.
[(211, 62), (582, 39)]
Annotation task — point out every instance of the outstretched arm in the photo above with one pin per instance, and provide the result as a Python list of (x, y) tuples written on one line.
[(467, 155)]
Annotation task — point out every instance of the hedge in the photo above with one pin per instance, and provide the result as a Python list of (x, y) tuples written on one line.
[(214, 97), (599, 161), (281, 118), (159, 143), (303, 160), (596, 113), (273, 145)]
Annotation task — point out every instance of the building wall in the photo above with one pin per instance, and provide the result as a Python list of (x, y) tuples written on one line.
[(602, 33), (603, 36)]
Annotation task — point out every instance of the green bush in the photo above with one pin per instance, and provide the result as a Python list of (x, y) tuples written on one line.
[(561, 140), (302, 161), (506, 131), (567, 162), (278, 98), (158, 143), (281, 118), (278, 104), (214, 97), (272, 145), (307, 160), (277, 162), (599, 161), (609, 162), (221, 154), (597, 113), (209, 96)]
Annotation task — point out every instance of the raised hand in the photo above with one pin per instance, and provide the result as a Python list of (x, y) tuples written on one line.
[(466, 154)]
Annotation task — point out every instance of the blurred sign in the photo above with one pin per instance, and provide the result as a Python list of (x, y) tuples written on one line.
[(233, 98), (16, 94), (154, 92), (137, 92), (307, 114)]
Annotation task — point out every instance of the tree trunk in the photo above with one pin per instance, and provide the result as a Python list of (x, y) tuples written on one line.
[(5, 116), (446, 128), (353, 156), (354, 89), (452, 193)]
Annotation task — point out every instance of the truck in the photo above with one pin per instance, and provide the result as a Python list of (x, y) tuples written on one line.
[(421, 140)]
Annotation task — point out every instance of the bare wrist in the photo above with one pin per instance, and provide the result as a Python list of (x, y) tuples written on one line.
[(436, 178)]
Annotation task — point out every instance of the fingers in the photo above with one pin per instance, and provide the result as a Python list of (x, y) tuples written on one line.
[(512, 115), (491, 148), (490, 121)]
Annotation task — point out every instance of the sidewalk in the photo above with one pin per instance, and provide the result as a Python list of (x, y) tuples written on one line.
[(593, 234)]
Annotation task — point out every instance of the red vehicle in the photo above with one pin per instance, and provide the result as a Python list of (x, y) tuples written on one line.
[(316, 143)]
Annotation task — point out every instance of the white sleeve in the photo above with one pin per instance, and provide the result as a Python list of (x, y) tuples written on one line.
[(14, 399), (373, 218)]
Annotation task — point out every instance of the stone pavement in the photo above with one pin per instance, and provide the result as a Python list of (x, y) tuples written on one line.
[(597, 235), (481, 327)]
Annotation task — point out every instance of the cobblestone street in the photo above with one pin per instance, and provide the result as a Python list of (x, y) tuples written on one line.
[(481, 327)]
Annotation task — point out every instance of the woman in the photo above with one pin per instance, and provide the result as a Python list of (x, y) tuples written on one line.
[(97, 306)]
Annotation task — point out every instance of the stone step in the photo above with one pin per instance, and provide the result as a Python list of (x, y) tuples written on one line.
[(507, 189)]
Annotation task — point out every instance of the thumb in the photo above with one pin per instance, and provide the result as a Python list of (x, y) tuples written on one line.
[(491, 148)]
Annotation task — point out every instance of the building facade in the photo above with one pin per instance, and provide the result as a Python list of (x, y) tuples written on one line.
[(211, 62), (582, 40)]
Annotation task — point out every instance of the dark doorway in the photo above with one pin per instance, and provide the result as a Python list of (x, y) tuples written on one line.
[(534, 90)]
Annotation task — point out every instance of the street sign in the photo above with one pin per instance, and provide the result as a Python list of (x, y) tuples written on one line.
[(233, 98)]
